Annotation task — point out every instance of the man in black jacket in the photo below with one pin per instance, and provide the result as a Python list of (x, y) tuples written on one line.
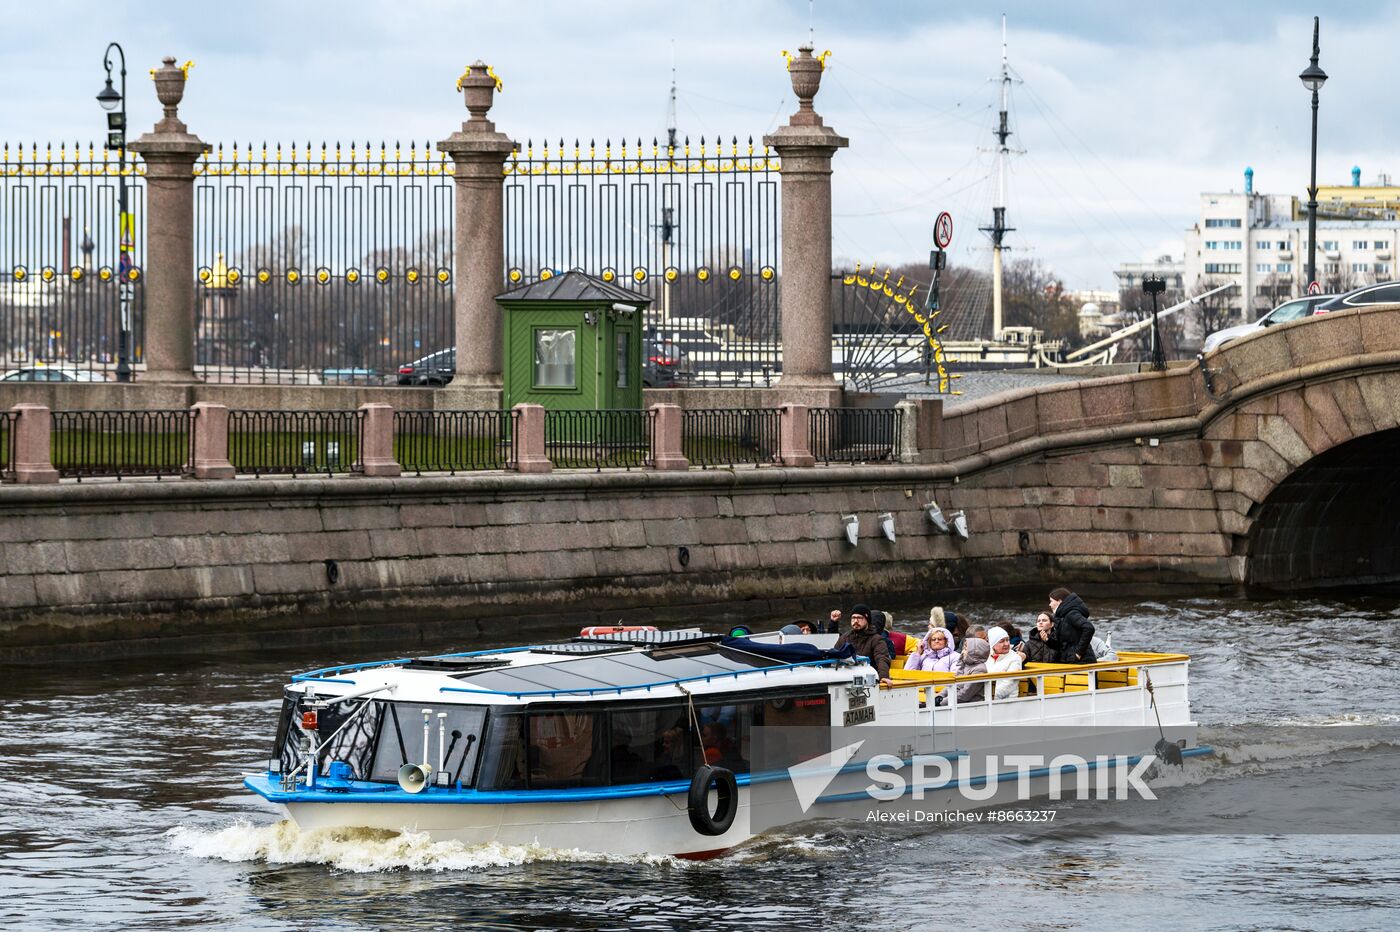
[(866, 641), (1072, 628)]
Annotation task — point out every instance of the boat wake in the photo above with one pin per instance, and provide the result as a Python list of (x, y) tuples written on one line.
[(363, 850), (1252, 751)]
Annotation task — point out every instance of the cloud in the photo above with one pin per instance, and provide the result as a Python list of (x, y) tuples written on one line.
[(1125, 118)]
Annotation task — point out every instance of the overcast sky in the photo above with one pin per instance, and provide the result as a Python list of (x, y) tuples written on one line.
[(1126, 113)]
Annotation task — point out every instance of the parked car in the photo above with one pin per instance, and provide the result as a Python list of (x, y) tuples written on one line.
[(1379, 293), (665, 365), (1289, 310), (52, 374), (434, 369)]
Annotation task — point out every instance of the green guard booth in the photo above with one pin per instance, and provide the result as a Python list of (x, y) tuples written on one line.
[(573, 343)]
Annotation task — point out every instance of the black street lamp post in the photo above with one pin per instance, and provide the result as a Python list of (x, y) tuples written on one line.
[(1313, 78), (1154, 286), (111, 100)]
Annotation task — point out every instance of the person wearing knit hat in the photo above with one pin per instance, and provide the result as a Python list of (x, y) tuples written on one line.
[(1003, 660), (866, 641)]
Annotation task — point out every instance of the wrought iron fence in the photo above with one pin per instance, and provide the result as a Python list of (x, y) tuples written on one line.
[(7, 444), (731, 436), (295, 442), (595, 439), (122, 443), (883, 331), (61, 271), (453, 441), (321, 265), (854, 435), (695, 228)]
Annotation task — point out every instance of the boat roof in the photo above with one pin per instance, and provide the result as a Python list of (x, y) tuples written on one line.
[(630, 667)]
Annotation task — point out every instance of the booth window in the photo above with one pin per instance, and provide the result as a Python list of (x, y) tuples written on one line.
[(622, 346), (555, 358)]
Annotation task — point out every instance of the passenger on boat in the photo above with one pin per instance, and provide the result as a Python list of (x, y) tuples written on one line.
[(880, 621), (1041, 646), (1072, 627), (934, 652), (866, 641), (975, 654), (791, 629), (671, 764), (1003, 660), (805, 626)]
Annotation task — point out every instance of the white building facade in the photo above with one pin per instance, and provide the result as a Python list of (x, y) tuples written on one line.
[(1259, 243)]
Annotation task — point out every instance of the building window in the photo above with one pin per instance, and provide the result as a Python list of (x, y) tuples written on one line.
[(1222, 268), (555, 358), (1233, 244), (1360, 267), (1264, 244), (1284, 267), (1380, 244), (1382, 268), (1212, 244), (1360, 244), (1330, 245), (1264, 267), (1331, 268), (1231, 222)]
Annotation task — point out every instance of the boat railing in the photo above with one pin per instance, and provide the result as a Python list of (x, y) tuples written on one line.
[(638, 687), (1130, 675)]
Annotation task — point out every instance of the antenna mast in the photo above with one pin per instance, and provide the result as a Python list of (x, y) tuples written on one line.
[(999, 229)]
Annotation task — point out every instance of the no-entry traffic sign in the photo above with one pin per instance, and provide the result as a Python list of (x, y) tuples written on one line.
[(943, 230)]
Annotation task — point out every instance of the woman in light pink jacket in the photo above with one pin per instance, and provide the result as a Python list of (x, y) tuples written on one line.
[(934, 653)]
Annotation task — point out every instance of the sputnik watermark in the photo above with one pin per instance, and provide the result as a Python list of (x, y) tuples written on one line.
[(1114, 777), (892, 777)]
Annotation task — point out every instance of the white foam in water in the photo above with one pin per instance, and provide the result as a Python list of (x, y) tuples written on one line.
[(365, 850)]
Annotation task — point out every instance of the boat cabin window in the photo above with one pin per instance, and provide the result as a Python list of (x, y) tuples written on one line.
[(401, 740), (350, 730), (503, 764), (557, 748), (565, 749), (651, 744)]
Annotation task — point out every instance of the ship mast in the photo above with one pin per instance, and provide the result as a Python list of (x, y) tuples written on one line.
[(999, 229), (668, 214)]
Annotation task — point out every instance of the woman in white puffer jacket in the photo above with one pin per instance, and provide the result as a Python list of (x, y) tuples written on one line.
[(1003, 660)]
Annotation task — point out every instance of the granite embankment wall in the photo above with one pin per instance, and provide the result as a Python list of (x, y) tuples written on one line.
[(1200, 478)]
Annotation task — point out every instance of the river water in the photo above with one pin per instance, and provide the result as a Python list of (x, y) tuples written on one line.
[(123, 808)]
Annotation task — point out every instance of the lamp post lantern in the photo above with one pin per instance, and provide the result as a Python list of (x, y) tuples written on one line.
[(1154, 286), (1313, 78), (114, 102)]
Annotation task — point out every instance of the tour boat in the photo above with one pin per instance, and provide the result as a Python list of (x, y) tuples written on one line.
[(633, 741)]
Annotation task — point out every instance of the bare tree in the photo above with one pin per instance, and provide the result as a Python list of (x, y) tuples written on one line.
[(1033, 296)]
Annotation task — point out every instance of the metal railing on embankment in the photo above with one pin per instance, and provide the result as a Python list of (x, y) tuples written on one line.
[(7, 444), (854, 435), (122, 443), (732, 436), (295, 442), (597, 439), (453, 441), (208, 441)]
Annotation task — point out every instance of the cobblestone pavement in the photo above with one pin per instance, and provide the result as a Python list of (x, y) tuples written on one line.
[(977, 385)]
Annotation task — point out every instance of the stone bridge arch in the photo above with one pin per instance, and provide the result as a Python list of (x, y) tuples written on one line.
[(1303, 448), (1242, 469)]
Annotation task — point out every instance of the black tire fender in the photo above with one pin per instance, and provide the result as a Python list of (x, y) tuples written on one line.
[(701, 819)]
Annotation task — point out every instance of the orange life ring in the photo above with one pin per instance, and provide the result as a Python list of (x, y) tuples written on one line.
[(596, 630)]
